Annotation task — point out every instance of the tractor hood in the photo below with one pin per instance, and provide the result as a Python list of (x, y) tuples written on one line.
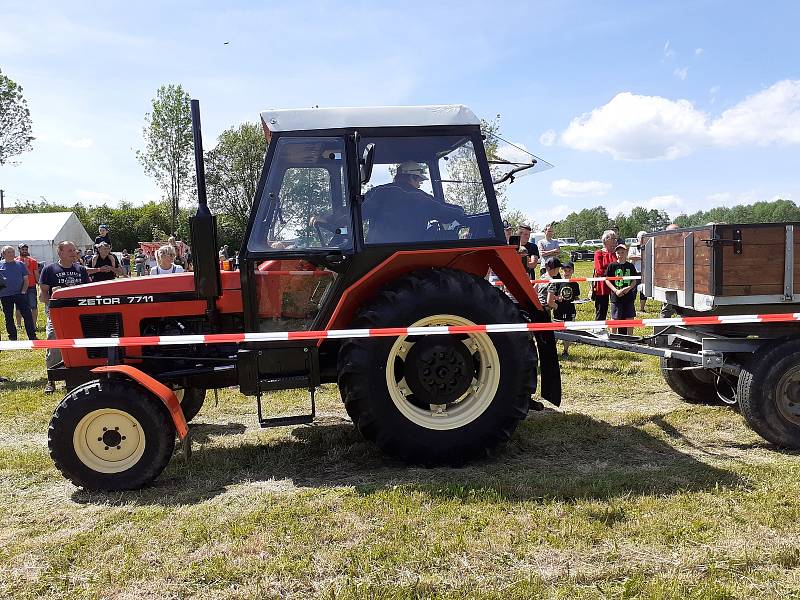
[(179, 283)]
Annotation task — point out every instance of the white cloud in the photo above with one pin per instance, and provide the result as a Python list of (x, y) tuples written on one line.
[(89, 196), (698, 51), (770, 116), (672, 204), (730, 199), (567, 188), (84, 142), (714, 90), (681, 73), (635, 127), (548, 138), (668, 52)]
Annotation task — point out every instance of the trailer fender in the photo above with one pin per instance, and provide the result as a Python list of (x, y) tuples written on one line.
[(162, 392)]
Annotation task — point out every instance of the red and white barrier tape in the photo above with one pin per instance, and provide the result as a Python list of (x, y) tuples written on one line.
[(282, 336), (581, 279)]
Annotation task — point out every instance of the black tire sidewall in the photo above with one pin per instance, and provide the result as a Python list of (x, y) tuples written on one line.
[(394, 431), (757, 391), (151, 414), (192, 402)]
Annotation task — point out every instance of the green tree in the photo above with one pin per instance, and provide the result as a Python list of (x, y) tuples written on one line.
[(168, 154), (589, 223), (462, 168), (15, 120), (233, 168), (516, 218)]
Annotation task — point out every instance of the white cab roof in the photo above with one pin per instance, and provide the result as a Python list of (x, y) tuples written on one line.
[(306, 119)]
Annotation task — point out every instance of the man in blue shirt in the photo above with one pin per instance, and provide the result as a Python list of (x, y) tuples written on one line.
[(65, 272), (15, 294)]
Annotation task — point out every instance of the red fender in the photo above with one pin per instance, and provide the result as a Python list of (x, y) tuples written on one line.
[(162, 392)]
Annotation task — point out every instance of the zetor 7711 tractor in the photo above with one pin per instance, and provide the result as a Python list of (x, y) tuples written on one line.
[(364, 218)]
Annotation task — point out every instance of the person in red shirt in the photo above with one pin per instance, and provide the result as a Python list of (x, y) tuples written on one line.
[(33, 278), (603, 258)]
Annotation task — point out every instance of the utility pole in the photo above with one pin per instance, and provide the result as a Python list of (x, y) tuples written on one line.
[(2, 206)]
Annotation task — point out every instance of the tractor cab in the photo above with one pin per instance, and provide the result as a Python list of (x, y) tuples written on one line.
[(342, 189)]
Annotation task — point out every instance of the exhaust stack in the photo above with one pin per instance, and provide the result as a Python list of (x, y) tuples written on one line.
[(203, 231)]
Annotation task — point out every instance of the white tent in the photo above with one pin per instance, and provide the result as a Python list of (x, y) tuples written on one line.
[(42, 232)]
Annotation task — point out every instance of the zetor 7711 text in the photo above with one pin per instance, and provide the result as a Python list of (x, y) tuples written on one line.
[(364, 218)]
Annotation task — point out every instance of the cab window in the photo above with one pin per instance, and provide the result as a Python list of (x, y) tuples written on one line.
[(304, 203), (425, 188)]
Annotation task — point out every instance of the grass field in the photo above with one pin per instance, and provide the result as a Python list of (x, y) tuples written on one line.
[(623, 492)]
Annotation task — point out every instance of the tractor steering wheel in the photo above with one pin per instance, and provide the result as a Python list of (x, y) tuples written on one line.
[(318, 229)]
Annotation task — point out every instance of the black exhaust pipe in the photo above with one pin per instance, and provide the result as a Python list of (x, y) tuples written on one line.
[(203, 232)]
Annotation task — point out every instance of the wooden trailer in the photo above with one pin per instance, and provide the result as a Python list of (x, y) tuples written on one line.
[(726, 270), (723, 268)]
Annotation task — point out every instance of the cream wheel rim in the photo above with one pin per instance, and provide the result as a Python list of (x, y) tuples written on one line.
[(465, 409), (108, 440)]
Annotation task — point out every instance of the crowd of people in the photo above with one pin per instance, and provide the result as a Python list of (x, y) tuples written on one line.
[(615, 259), (20, 276)]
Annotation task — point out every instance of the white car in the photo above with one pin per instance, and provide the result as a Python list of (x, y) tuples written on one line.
[(631, 241), (567, 241), (592, 243)]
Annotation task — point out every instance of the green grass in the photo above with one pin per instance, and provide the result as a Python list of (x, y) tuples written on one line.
[(622, 492)]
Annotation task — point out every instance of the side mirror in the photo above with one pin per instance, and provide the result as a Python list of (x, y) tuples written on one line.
[(366, 162)]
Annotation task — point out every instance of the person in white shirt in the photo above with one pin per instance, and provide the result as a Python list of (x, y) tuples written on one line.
[(548, 247), (166, 261)]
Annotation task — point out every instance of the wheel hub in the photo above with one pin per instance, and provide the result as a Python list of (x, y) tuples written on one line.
[(439, 371), (788, 396), (109, 440)]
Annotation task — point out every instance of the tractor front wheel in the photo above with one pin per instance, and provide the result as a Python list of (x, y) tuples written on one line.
[(110, 435), (439, 399)]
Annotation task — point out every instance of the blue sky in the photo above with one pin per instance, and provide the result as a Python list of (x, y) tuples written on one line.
[(673, 105)]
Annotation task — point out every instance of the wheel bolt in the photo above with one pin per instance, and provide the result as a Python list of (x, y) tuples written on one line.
[(106, 447), (99, 439), (123, 437), (119, 447), (105, 429)]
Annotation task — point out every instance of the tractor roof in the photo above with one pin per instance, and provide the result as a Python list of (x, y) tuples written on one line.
[(309, 119)]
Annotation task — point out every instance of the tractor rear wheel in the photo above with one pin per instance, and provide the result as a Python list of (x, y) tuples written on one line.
[(440, 399), (110, 435), (191, 400)]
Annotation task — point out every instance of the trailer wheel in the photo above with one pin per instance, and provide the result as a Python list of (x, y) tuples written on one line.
[(442, 399), (191, 400), (110, 435), (693, 385), (769, 393)]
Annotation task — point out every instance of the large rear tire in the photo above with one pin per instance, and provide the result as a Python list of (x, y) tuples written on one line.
[(443, 399), (693, 385), (769, 393), (109, 435)]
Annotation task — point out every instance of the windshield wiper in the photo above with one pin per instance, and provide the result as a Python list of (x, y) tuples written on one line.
[(510, 174)]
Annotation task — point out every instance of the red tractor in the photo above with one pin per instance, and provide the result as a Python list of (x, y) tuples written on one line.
[(363, 218)]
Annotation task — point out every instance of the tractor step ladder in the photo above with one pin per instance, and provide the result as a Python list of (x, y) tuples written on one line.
[(287, 383)]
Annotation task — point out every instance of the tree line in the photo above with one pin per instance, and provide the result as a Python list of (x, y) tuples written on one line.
[(590, 223)]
